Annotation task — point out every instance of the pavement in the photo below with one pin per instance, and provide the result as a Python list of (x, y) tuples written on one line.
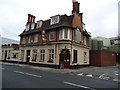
[(106, 73)]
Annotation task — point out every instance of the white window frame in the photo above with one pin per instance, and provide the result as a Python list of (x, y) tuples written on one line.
[(51, 55), (32, 26), (42, 55), (55, 20), (27, 27), (62, 34), (39, 23), (34, 55)]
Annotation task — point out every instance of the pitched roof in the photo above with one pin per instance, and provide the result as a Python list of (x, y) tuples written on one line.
[(65, 21)]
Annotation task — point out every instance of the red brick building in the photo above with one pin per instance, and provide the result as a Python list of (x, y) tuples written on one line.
[(59, 40)]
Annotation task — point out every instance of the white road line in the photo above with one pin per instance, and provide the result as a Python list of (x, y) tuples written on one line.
[(79, 85), (116, 74), (89, 75), (104, 77), (32, 75), (27, 74), (80, 74), (19, 72)]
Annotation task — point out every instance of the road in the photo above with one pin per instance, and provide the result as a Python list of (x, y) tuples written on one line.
[(21, 77)]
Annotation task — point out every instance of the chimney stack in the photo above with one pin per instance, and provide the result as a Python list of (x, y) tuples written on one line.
[(75, 7), (31, 19)]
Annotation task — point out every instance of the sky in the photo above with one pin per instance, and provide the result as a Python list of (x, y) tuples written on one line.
[(100, 16)]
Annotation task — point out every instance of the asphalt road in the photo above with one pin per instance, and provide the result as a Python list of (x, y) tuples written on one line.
[(21, 77)]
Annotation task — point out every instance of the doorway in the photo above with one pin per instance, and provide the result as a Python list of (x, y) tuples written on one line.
[(28, 56), (65, 58), (5, 55)]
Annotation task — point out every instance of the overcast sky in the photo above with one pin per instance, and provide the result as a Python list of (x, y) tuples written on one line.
[(100, 16)]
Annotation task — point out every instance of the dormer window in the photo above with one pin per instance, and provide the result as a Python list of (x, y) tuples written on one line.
[(39, 23), (27, 27), (55, 19), (32, 25)]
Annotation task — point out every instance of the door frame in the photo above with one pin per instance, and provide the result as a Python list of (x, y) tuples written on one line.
[(64, 58), (28, 56)]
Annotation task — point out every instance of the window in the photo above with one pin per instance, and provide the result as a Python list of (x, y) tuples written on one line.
[(85, 40), (29, 39), (44, 35), (55, 19), (75, 56), (36, 38), (42, 55), (23, 40), (22, 55), (51, 35), (85, 57), (27, 27), (34, 55), (51, 55), (15, 55), (77, 35), (32, 25), (39, 23), (65, 34)]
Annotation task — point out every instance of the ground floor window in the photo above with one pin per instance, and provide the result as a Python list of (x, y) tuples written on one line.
[(51, 55), (85, 57), (34, 55), (42, 55), (74, 56), (15, 55), (22, 55)]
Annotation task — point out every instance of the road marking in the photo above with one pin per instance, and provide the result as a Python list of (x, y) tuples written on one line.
[(32, 75), (89, 75), (116, 74), (116, 80), (79, 85), (80, 74), (27, 74), (104, 77), (19, 72)]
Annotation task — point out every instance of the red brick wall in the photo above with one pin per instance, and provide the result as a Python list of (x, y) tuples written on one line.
[(108, 58), (95, 58), (102, 58)]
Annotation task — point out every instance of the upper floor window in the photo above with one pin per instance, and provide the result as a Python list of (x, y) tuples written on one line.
[(77, 35), (29, 39), (32, 25), (51, 35), (36, 38), (55, 19), (39, 23), (27, 27), (44, 35), (85, 43), (65, 34), (23, 40)]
